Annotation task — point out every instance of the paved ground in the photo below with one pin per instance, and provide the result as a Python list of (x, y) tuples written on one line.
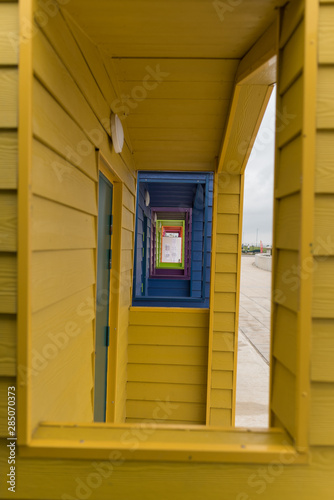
[(254, 345)]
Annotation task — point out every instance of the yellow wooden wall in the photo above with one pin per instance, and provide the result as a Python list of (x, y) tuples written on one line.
[(8, 201), (168, 359), (322, 356), (287, 232), (67, 479), (224, 298), (72, 96)]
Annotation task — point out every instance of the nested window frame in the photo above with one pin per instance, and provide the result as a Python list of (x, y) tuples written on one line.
[(146, 441)]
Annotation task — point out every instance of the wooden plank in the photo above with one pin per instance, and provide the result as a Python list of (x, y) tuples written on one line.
[(323, 225), (228, 224), (248, 106), (223, 341), (322, 356), (127, 239), (153, 335), (74, 61), (221, 417), (228, 204), (126, 260), (228, 183), (287, 280), (285, 338), (7, 345), (8, 283), (128, 199), (222, 380), (181, 90), (288, 222), (284, 396), (224, 322), (165, 146), (8, 97), (290, 109), (177, 134), (53, 127), (322, 410), (222, 361), (9, 29), (8, 159), (325, 34), (140, 391), (292, 59), (57, 79), (224, 302), (5, 382), (168, 355), (323, 287), (226, 263), (57, 179), (169, 317), (180, 70), (221, 398), (127, 219), (289, 162), (60, 274), (226, 243), (324, 178), (225, 282), (325, 100), (172, 374), (61, 389), (8, 221), (292, 15), (191, 412), (261, 53), (57, 227), (64, 320)]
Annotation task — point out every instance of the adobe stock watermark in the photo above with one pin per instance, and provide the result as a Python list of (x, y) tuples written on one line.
[(226, 7), (133, 438), (127, 102), (56, 342), (266, 474), (42, 16)]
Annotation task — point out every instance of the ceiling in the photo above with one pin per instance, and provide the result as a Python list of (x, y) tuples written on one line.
[(174, 62)]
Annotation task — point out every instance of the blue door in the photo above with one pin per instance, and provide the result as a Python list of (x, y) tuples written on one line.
[(104, 254)]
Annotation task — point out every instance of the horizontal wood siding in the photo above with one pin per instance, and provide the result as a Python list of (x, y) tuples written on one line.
[(287, 225), (8, 203), (322, 358), (71, 113), (168, 353), (224, 300)]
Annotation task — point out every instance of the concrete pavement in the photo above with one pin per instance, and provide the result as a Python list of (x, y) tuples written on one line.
[(252, 399)]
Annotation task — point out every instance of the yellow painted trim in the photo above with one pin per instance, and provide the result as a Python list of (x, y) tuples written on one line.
[(212, 295), (236, 328), (114, 292), (152, 442), (24, 225), (231, 118), (273, 256), (258, 62), (185, 310), (307, 225), (256, 128)]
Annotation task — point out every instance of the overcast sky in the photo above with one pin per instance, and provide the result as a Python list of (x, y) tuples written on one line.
[(258, 199)]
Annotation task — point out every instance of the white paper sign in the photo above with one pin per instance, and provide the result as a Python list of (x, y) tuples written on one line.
[(171, 250)]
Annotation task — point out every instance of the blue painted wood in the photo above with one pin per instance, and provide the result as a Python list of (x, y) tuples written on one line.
[(171, 189)]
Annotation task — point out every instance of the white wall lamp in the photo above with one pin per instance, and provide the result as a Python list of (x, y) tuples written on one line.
[(117, 133)]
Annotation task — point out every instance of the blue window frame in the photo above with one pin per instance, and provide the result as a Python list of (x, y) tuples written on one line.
[(173, 196)]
